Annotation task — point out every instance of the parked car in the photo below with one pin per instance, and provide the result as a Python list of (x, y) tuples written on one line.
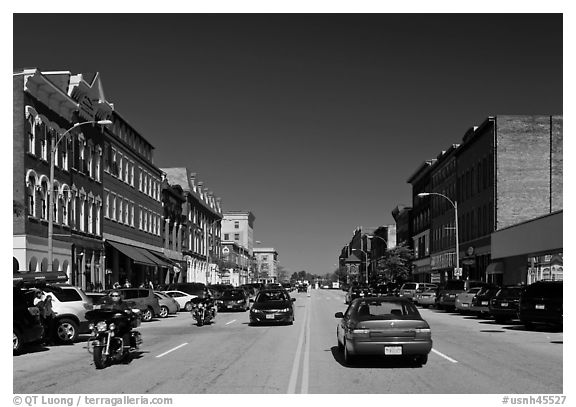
[(426, 298), (69, 304), (168, 305), (233, 300), (481, 302), (218, 289), (383, 326), (183, 299), (287, 286), (464, 300), (446, 294), (541, 302), (196, 289), (504, 305), (356, 291), (144, 299), (26, 325), (272, 306), (421, 288)]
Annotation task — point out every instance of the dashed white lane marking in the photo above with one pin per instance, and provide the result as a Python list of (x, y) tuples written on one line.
[(172, 350), (228, 323), (306, 367), (296, 363), (444, 356)]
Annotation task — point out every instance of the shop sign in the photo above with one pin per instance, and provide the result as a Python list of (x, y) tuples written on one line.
[(442, 261)]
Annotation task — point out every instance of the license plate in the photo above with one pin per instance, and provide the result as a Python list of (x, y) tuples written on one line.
[(539, 306), (484, 302), (229, 306), (465, 305), (503, 304), (270, 316), (452, 295), (392, 350)]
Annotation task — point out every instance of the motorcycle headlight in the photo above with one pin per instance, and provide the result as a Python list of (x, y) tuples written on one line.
[(112, 326), (284, 310), (239, 301), (101, 326), (254, 310), (91, 326)]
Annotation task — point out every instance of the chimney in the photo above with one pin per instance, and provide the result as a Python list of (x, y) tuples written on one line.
[(193, 181), (199, 185)]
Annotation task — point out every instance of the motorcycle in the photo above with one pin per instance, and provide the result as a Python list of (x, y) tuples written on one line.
[(203, 312), (106, 342)]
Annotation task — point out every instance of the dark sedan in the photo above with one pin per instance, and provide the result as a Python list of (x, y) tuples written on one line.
[(387, 326), (233, 300), (481, 301), (356, 292), (272, 306), (541, 302), (504, 305)]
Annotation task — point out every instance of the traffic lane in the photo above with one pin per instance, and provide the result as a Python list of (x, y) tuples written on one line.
[(71, 366), (496, 358)]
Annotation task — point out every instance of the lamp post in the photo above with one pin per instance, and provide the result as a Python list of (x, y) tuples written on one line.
[(365, 261), (378, 237), (455, 206), (53, 144)]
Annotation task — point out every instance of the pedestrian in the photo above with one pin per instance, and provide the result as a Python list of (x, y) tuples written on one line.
[(127, 284), (44, 304), (116, 285)]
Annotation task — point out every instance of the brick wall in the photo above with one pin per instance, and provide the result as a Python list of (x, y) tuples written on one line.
[(522, 168), (557, 163), (18, 142)]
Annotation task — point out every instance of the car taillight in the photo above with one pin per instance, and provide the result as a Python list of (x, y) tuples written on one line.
[(361, 332), (423, 333)]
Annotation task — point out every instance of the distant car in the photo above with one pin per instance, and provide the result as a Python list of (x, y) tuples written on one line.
[(272, 306), (233, 300), (144, 299), (183, 299), (426, 298), (218, 289), (195, 289), (446, 294), (504, 305), (481, 302), (356, 292), (421, 288), (541, 302), (168, 305), (408, 290), (326, 287), (287, 286), (464, 300), (26, 325), (302, 288), (383, 326)]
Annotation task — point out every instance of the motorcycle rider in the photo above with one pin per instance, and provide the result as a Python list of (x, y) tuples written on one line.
[(124, 323)]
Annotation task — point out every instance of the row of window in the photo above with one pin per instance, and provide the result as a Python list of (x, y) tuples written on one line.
[(72, 210), (123, 168), (122, 210), (85, 156), (227, 236), (476, 223), (134, 141)]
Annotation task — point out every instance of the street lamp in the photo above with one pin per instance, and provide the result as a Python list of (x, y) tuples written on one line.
[(53, 144), (365, 261), (455, 205), (378, 237)]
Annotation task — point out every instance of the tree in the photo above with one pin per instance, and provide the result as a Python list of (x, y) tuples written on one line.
[(281, 273), (395, 265)]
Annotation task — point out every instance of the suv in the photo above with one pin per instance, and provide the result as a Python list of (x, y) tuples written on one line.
[(541, 302), (144, 299), (446, 296), (26, 325), (69, 304)]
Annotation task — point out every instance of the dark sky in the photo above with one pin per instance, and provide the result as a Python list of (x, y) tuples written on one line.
[(313, 122)]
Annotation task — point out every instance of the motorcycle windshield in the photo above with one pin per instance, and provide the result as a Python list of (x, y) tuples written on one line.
[(101, 314)]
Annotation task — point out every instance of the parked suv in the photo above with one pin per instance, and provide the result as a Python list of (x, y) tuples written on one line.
[(541, 302), (69, 304), (144, 299), (446, 297), (26, 325)]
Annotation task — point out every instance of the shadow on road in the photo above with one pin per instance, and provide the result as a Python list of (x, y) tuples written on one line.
[(373, 362), (32, 348)]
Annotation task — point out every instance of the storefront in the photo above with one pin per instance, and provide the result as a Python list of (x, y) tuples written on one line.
[(530, 251)]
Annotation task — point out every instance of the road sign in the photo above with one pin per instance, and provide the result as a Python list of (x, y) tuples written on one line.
[(458, 272)]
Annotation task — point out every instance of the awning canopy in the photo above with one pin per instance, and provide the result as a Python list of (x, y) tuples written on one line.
[(495, 268), (135, 253), (160, 259)]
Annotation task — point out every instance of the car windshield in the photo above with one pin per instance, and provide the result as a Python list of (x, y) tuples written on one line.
[(409, 286), (386, 310), (454, 285), (271, 296), (234, 294), (510, 292)]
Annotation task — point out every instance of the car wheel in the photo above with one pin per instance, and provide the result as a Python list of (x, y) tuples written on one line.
[(422, 359), (66, 331), (17, 342), (188, 306), (147, 315), (348, 358), (164, 311), (425, 305)]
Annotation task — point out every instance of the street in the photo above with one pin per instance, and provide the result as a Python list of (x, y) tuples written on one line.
[(470, 355)]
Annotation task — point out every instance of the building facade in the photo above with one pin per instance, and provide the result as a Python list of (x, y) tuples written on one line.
[(236, 263), (267, 264)]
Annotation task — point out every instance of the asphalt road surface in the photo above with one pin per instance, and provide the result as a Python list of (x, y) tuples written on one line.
[(470, 355)]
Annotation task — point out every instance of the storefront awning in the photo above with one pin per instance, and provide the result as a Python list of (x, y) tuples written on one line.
[(495, 268), (160, 259), (135, 253)]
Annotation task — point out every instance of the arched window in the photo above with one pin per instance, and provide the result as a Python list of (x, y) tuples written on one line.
[(90, 160), (44, 264), (31, 131), (44, 199), (98, 219), (65, 202), (82, 213), (97, 165), (33, 264), (90, 209), (31, 193)]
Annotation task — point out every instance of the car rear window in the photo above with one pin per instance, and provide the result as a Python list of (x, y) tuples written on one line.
[(66, 295), (129, 294), (409, 286), (385, 309), (510, 292), (544, 290), (454, 285), (271, 296)]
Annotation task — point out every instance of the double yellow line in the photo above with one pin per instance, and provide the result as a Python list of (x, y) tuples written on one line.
[(303, 343)]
